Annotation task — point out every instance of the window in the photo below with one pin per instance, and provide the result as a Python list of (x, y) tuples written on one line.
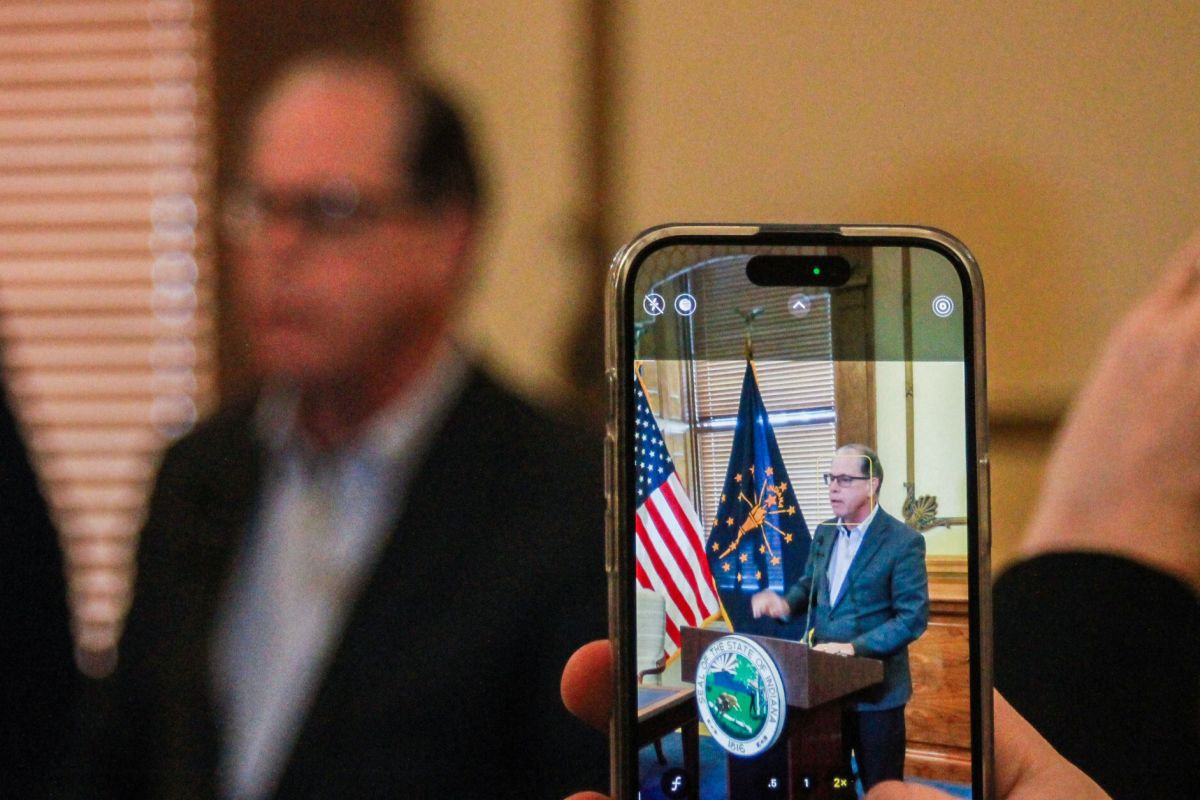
[(697, 411), (106, 286)]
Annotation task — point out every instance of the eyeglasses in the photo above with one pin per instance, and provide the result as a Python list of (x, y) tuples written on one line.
[(336, 210), (844, 481)]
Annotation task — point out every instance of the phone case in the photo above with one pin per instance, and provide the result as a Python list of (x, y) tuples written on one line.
[(619, 376)]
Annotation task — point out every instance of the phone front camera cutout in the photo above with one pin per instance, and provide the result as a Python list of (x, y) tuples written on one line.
[(773, 270)]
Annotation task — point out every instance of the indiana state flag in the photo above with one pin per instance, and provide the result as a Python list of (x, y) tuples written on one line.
[(759, 539)]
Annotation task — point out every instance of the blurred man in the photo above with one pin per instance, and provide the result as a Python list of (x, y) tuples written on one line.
[(866, 593), (37, 677), (366, 583)]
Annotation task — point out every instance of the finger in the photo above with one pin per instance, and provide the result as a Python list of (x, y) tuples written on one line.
[(587, 796), (587, 684), (1182, 274), (1019, 748), (896, 790), (1028, 767)]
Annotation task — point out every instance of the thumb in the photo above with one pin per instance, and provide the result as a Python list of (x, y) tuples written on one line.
[(1027, 767), (587, 684), (895, 790)]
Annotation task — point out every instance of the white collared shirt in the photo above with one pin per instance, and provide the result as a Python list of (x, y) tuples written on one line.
[(322, 519), (845, 548)]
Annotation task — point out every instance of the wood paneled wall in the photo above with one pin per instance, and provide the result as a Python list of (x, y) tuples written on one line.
[(939, 715)]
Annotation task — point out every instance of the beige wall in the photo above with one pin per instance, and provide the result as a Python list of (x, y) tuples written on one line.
[(1059, 140), (1056, 139), (516, 64), (938, 433)]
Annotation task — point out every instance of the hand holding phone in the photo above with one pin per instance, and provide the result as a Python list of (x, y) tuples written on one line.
[(1026, 765), (1146, 379)]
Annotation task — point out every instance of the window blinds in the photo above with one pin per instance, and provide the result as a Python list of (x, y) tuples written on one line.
[(806, 440), (106, 286), (795, 369)]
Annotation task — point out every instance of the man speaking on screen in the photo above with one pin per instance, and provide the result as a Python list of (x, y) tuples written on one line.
[(864, 592)]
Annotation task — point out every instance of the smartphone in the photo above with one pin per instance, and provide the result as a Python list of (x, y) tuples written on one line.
[(798, 540)]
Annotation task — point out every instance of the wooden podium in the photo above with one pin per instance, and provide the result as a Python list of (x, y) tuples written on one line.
[(814, 683)]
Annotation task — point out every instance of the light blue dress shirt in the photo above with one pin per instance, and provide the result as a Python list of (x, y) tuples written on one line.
[(322, 520), (845, 548)]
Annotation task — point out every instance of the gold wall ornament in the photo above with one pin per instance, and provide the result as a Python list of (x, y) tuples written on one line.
[(920, 513)]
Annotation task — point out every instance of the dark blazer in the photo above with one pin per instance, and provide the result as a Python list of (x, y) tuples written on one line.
[(884, 603), (445, 683), (37, 675)]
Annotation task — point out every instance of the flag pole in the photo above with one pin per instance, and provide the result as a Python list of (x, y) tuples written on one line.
[(639, 328), (748, 318)]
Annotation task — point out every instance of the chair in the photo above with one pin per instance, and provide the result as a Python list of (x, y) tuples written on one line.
[(650, 656)]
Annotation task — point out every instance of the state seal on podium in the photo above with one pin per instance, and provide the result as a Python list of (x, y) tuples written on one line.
[(740, 695)]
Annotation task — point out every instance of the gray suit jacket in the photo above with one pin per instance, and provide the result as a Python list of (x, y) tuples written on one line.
[(884, 603)]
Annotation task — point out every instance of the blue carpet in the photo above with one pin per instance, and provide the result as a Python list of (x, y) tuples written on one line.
[(712, 771)]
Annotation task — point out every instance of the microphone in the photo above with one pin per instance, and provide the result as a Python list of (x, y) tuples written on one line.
[(806, 636)]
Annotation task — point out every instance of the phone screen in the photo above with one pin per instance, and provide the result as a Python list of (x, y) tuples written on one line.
[(803, 533)]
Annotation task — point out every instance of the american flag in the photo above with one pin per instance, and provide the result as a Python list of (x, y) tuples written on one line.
[(670, 549)]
